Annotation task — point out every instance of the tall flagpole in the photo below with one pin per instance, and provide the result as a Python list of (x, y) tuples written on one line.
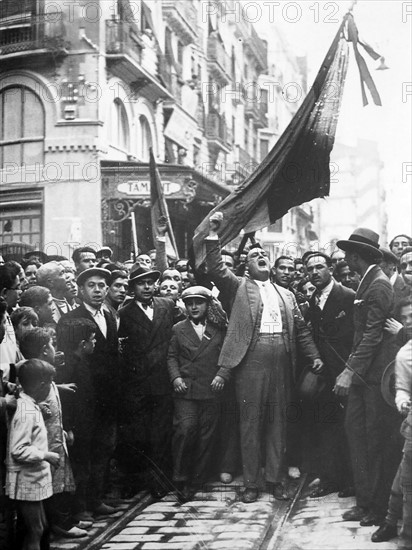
[(134, 233)]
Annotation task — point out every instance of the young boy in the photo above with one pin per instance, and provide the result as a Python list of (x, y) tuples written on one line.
[(192, 363), (37, 343), (76, 338), (29, 480)]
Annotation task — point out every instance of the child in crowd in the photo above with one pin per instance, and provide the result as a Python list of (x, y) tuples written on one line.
[(76, 338), (23, 319), (192, 363), (37, 343), (29, 479)]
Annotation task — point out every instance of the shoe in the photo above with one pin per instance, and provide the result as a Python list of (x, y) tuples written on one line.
[(104, 510), (186, 493), (347, 492), (279, 492), (73, 533), (371, 519), (84, 516), (384, 533), (250, 495), (226, 478), (357, 513), (294, 472), (84, 524), (158, 493), (322, 490)]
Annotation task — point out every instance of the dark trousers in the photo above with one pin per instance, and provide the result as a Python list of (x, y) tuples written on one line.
[(262, 387), (372, 445), (146, 432), (90, 458), (228, 448), (194, 431)]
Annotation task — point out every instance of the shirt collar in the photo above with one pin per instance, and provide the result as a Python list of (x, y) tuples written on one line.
[(92, 309), (366, 272), (327, 289)]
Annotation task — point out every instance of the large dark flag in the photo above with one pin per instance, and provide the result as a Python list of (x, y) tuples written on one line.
[(297, 169), (159, 208)]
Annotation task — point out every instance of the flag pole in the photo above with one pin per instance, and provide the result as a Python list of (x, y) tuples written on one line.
[(134, 233), (353, 4)]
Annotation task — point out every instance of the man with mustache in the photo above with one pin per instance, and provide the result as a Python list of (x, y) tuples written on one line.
[(259, 351)]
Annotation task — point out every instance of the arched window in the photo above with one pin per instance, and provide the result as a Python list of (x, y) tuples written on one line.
[(22, 127), (144, 139), (119, 126)]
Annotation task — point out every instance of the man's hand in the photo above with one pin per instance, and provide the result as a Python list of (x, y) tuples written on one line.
[(179, 385), (161, 226), (343, 383), (317, 366), (52, 458), (218, 383), (214, 223), (392, 326)]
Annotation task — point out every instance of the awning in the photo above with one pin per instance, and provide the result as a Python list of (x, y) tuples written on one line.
[(181, 128)]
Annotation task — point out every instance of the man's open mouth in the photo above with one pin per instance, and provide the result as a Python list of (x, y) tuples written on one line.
[(262, 263)]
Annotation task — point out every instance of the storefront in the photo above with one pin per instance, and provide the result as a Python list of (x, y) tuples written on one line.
[(126, 189)]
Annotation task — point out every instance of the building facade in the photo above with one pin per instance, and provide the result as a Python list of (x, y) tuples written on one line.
[(87, 88)]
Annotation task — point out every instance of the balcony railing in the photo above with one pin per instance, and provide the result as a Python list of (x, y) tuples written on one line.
[(258, 48), (41, 32), (216, 130), (122, 38), (182, 18), (219, 61), (257, 110)]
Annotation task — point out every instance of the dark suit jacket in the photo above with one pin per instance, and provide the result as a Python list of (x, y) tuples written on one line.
[(144, 350), (196, 361), (243, 296), (332, 328), (104, 362), (371, 349)]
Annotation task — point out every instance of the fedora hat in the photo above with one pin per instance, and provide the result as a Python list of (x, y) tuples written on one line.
[(388, 384), (363, 240), (91, 272), (139, 271), (196, 292)]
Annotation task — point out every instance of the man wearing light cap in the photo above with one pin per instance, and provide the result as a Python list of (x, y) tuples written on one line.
[(104, 364), (366, 422), (145, 424)]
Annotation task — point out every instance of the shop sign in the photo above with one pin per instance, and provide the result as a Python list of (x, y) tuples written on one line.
[(142, 188)]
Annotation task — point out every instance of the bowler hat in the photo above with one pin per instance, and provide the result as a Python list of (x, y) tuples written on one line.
[(91, 272), (139, 271), (196, 292), (362, 240)]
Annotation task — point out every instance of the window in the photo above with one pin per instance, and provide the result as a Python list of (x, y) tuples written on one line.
[(21, 127), (20, 8), (21, 225), (119, 126), (144, 139)]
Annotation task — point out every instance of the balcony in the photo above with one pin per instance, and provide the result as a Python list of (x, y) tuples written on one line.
[(181, 16), (257, 111), (257, 48), (36, 35), (127, 60), (218, 60), (217, 133)]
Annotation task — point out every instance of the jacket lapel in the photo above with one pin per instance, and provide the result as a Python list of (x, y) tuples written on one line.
[(189, 333), (331, 301), (208, 336), (370, 276)]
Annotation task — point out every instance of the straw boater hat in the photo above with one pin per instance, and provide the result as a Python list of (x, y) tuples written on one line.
[(139, 271), (196, 292), (362, 240), (91, 272)]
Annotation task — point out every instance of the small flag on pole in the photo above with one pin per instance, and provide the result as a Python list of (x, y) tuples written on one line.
[(159, 208), (297, 169)]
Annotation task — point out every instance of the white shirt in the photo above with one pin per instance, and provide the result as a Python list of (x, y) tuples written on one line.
[(199, 329), (8, 349), (271, 316), (98, 317), (323, 294), (148, 310)]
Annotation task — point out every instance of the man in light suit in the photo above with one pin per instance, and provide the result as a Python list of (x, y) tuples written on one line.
[(146, 407), (259, 350), (104, 364), (330, 316), (368, 420)]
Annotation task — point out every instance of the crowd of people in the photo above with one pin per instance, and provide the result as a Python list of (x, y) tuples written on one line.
[(173, 376)]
